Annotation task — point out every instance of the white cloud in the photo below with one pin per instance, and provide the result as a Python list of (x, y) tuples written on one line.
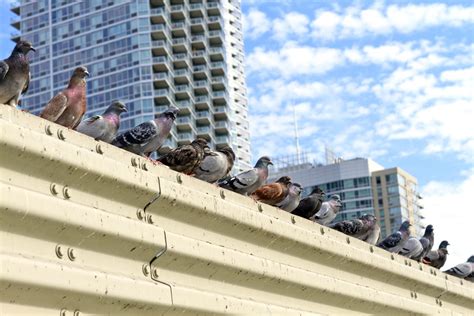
[(256, 23), (447, 209), (293, 23), (380, 20)]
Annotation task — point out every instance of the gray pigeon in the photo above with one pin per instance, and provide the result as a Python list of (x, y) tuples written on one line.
[(328, 211), (293, 198), (463, 270), (427, 242), (216, 165), (68, 106), (437, 258), (364, 228), (311, 204), (149, 136), (412, 248), (15, 74), (396, 241), (248, 181), (103, 127)]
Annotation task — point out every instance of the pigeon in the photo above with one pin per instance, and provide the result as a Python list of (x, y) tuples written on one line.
[(248, 181), (311, 204), (15, 74), (273, 193), (396, 241), (463, 270), (437, 258), (328, 211), (412, 248), (186, 158), (364, 228), (68, 107), (427, 242), (215, 165), (103, 127), (149, 136), (293, 198)]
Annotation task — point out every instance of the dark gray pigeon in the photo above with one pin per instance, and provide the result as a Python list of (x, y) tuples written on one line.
[(311, 204), (328, 211), (69, 106), (15, 74), (396, 241), (149, 136), (364, 228), (103, 127), (248, 181), (463, 270), (186, 158), (427, 242), (293, 198), (215, 165), (437, 258)]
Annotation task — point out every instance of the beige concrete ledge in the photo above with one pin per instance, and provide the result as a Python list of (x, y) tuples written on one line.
[(91, 228)]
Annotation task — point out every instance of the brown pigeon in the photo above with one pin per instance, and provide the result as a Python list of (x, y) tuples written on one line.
[(15, 74), (187, 157), (273, 193), (68, 107)]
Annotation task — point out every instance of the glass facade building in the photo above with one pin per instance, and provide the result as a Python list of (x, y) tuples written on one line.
[(149, 54)]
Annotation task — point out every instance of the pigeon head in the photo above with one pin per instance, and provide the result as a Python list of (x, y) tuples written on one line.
[(444, 244), (170, 114), (335, 197), (471, 259), (23, 47), (296, 188), (369, 218), (263, 162), (317, 190), (405, 226), (200, 142), (117, 107), (429, 230), (228, 152), (284, 180), (81, 72)]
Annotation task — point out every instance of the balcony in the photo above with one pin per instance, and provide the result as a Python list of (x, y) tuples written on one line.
[(217, 53), (158, 15), (221, 126), (14, 22), (198, 42), (185, 138), (185, 107), (161, 108), (196, 9), (184, 123), (161, 63), (180, 44), (182, 91), (201, 87), (181, 60), (214, 22), (177, 11), (204, 117), (222, 140), (161, 47), (202, 102), (201, 72), (162, 80), (200, 57), (197, 25), (218, 68), (163, 96), (215, 37), (221, 112), (218, 83), (159, 31), (15, 7), (219, 97), (205, 132), (213, 8)]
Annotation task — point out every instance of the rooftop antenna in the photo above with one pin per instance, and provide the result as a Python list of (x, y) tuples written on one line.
[(297, 141)]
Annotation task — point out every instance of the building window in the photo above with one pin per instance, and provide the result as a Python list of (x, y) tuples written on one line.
[(391, 178)]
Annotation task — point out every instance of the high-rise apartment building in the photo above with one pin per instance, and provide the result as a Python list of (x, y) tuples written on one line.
[(150, 54), (365, 187)]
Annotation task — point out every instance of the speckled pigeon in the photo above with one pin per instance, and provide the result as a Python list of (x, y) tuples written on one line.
[(149, 136), (396, 241), (311, 204), (293, 198), (437, 258), (248, 181), (215, 165), (427, 242), (273, 193), (68, 107), (103, 127), (463, 270), (186, 158), (364, 228), (328, 211), (15, 74)]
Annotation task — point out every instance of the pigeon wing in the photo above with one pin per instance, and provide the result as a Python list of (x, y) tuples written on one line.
[(431, 256), (273, 192), (323, 211), (138, 135), (94, 126), (3, 69), (210, 163), (242, 180), (181, 158), (391, 241), (55, 107), (461, 270), (351, 228), (306, 208), (27, 84)]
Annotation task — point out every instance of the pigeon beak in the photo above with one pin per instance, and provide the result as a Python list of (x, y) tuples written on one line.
[(32, 48), (270, 163), (87, 73)]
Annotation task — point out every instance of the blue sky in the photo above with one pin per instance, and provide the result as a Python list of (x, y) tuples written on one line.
[(392, 81)]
